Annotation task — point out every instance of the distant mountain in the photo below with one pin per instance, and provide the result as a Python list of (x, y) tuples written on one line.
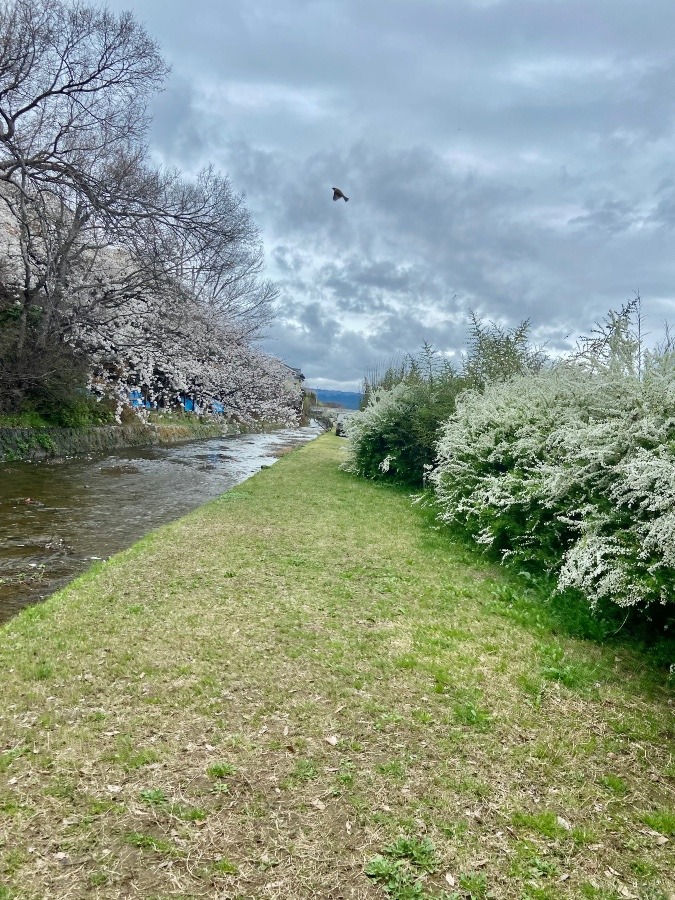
[(347, 399)]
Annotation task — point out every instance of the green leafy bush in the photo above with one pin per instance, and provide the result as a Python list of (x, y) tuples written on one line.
[(395, 435)]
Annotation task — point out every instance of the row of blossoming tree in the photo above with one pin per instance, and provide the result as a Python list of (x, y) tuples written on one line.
[(566, 466), (113, 272)]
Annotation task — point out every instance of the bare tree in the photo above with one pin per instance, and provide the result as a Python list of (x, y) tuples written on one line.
[(223, 267), (99, 233), (73, 87)]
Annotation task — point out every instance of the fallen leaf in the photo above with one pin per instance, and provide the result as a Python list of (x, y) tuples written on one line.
[(319, 804), (450, 879)]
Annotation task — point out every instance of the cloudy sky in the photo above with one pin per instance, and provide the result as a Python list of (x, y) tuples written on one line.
[(513, 157)]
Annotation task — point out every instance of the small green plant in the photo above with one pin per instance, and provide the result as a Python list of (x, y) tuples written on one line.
[(13, 861), (662, 821), (345, 773), (395, 878), (188, 813), (475, 885), (225, 867), (467, 712), (7, 757), (220, 770), (129, 757), (155, 797), (420, 852), (614, 784), (61, 787), (545, 823), (393, 768), (304, 770), (148, 842), (399, 867)]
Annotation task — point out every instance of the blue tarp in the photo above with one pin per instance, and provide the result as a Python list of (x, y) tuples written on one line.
[(137, 400)]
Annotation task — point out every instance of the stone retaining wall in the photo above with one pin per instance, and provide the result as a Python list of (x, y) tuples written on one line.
[(38, 443)]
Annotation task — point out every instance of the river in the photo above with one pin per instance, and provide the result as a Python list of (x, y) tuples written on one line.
[(57, 516)]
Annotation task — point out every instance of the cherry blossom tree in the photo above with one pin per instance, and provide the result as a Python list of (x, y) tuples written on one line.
[(110, 263)]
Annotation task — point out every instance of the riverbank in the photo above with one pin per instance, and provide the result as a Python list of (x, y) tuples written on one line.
[(302, 690), (39, 443)]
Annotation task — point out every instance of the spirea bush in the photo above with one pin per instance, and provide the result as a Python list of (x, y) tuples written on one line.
[(573, 468), (395, 436), (405, 406)]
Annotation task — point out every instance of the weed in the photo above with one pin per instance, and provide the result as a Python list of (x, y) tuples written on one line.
[(545, 823), (593, 892), (304, 770), (188, 813), (7, 757), (129, 757), (220, 770), (395, 878), (148, 842), (345, 774), (399, 866), (574, 674), (225, 867), (13, 861), (614, 784), (61, 787), (155, 797), (467, 712), (421, 853), (394, 769), (662, 821), (475, 885)]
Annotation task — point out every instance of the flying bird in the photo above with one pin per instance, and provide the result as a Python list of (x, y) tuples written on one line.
[(338, 195)]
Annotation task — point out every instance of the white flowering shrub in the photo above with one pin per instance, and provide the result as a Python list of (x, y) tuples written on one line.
[(574, 467)]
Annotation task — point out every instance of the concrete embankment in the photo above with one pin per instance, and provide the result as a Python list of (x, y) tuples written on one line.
[(38, 443)]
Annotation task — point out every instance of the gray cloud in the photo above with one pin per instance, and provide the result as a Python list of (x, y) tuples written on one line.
[(509, 156)]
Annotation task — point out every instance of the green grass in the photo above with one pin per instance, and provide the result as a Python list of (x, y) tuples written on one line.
[(307, 689)]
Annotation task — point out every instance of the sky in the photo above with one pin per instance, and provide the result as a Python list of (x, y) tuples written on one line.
[(514, 158)]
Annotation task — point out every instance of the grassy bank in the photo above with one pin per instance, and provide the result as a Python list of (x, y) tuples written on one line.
[(302, 690)]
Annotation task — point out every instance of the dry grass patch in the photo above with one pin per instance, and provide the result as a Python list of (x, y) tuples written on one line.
[(301, 691)]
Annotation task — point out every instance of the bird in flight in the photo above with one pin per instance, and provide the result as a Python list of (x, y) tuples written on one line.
[(338, 195)]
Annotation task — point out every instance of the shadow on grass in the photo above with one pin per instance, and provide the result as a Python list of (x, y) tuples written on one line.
[(529, 597)]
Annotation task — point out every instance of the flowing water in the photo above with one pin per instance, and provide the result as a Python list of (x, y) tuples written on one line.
[(57, 516)]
